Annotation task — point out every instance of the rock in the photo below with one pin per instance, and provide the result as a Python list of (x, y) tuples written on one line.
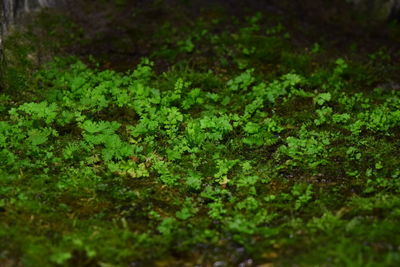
[(12, 10), (378, 10)]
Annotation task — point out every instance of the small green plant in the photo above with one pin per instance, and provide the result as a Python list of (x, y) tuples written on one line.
[(262, 134), (230, 141), (310, 148), (223, 167), (302, 194)]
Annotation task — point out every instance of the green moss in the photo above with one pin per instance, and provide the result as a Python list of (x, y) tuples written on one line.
[(264, 154)]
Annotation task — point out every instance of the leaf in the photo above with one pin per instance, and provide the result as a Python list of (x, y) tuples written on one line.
[(60, 257), (37, 137)]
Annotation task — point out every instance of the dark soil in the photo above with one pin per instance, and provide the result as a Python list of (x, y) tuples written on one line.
[(120, 35)]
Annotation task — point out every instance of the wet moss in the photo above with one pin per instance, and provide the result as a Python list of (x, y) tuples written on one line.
[(230, 144)]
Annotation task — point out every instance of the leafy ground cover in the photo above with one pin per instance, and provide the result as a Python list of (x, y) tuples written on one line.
[(225, 145)]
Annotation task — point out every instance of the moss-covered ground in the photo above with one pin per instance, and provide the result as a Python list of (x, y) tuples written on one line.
[(195, 137)]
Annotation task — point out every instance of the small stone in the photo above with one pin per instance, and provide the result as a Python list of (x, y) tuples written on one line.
[(219, 264)]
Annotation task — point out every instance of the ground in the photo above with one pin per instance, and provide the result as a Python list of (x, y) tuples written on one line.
[(185, 133)]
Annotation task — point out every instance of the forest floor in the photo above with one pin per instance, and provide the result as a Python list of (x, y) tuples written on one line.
[(200, 133)]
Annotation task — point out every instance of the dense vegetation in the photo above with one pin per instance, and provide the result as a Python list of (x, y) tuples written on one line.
[(245, 150)]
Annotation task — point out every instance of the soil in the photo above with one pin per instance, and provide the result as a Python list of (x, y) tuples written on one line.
[(119, 35)]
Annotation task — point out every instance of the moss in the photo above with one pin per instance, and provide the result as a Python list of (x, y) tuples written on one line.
[(245, 146)]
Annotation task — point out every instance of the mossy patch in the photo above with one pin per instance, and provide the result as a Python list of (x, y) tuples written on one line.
[(225, 145)]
